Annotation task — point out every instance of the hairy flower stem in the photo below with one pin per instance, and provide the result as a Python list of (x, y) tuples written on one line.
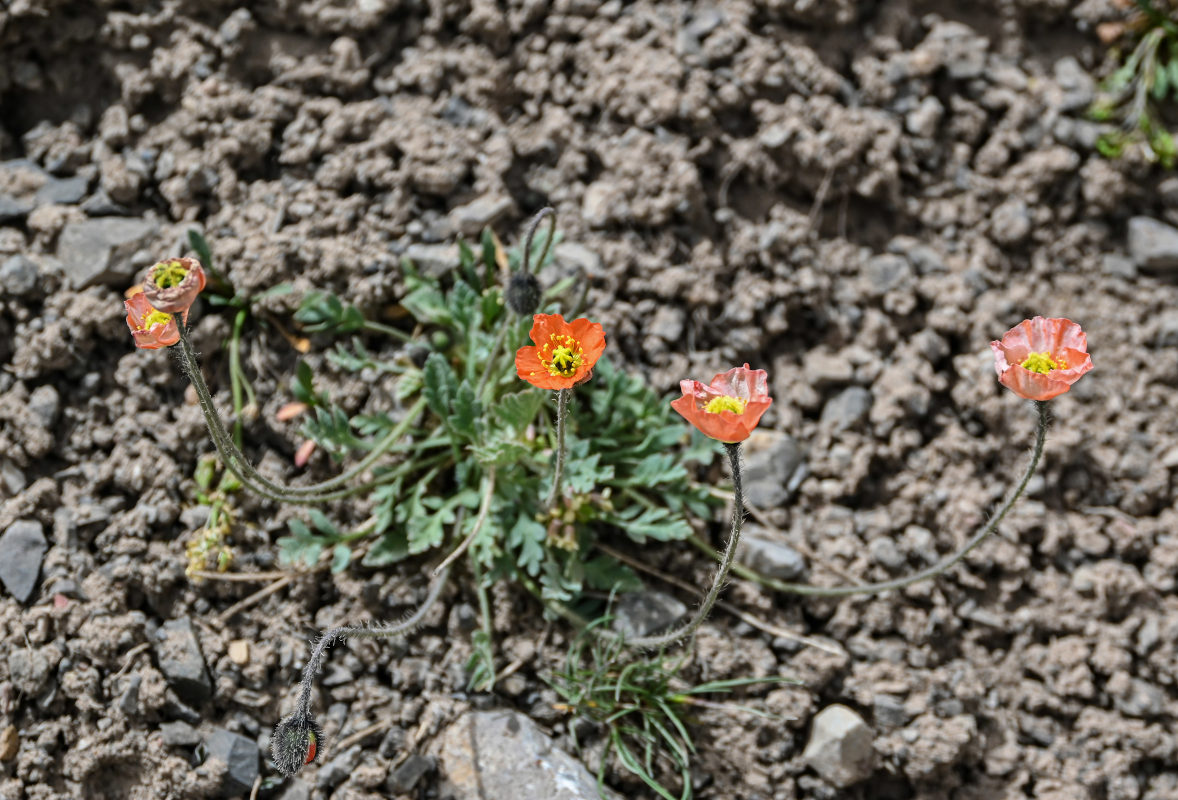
[(721, 576), (550, 213), (239, 465), (562, 411), (377, 631), (953, 558)]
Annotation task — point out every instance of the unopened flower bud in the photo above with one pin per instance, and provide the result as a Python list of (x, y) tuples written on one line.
[(296, 742), (523, 293), (172, 285)]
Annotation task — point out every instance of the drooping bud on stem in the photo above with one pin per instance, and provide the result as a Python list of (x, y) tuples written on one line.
[(523, 293), (295, 743)]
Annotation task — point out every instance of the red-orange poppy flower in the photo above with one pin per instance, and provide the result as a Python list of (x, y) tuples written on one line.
[(1041, 358), (564, 354), (730, 407), (173, 284), (150, 327)]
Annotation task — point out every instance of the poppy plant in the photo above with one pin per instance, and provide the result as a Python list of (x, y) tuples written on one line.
[(564, 352), (172, 285), (729, 407), (150, 328), (1039, 358)]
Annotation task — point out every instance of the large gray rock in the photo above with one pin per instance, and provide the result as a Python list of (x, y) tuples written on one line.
[(840, 747), (769, 557), (646, 613), (770, 459), (241, 756), (14, 208), (846, 409), (182, 663), (62, 191), (470, 219), (503, 755), (98, 251), (1153, 244), (19, 276), (22, 547)]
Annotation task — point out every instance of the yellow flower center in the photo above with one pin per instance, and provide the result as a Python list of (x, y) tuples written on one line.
[(1042, 363), (155, 317), (561, 356), (725, 403), (169, 274)]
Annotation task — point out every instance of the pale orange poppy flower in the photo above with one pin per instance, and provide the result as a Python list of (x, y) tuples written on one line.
[(150, 328), (564, 354), (728, 408), (173, 284), (1039, 358)]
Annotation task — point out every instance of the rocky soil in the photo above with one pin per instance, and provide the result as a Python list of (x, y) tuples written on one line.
[(856, 197)]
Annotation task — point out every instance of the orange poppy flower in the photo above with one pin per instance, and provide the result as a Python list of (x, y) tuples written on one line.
[(150, 327), (564, 354), (1039, 359), (172, 285), (730, 407)]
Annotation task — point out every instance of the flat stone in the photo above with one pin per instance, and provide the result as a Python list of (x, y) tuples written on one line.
[(405, 777), (45, 403), (771, 458), (885, 272), (1153, 244), (1010, 223), (433, 260), (840, 747), (62, 191), (503, 755), (337, 770), (98, 251), (296, 789), (13, 209), (99, 204), (846, 409), (182, 663), (769, 557), (9, 743), (179, 734), (471, 218), (22, 548), (646, 613), (239, 652), (19, 276), (240, 753), (29, 670)]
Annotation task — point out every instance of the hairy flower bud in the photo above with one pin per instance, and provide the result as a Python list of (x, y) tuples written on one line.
[(296, 742), (523, 293)]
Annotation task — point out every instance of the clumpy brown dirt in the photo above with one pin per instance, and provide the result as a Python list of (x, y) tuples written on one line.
[(846, 194)]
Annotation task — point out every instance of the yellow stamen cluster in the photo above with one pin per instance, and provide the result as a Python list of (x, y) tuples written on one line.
[(561, 356), (168, 274), (1042, 363), (155, 317), (725, 403)]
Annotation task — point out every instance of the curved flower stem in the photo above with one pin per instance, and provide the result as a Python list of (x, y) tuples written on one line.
[(376, 631), (562, 409), (484, 507), (237, 463), (721, 577), (550, 213), (953, 558), (705, 608)]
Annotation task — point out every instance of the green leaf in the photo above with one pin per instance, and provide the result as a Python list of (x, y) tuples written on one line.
[(527, 538), (1161, 82), (517, 411), (341, 556), (607, 575), (426, 303), (301, 547), (441, 385), (641, 523), (389, 549), (206, 469), (302, 387), (467, 412), (322, 523), (200, 246), (409, 384), (499, 453)]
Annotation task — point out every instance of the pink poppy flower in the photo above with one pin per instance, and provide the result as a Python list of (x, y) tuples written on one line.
[(150, 328), (1039, 358), (172, 285), (730, 407)]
